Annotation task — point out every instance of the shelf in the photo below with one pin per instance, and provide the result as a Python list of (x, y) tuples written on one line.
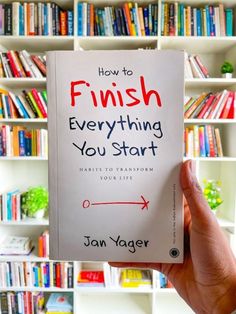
[(37, 43), (210, 82), (116, 42), (23, 82), (26, 222), (212, 159), (32, 257), (30, 158), (200, 44), (112, 290), (23, 120), (208, 121), (53, 289)]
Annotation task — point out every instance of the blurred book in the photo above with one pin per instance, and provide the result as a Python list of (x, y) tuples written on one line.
[(135, 278), (14, 245), (59, 303), (91, 278)]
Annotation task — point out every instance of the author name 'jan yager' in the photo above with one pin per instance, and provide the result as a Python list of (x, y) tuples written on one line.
[(131, 245)]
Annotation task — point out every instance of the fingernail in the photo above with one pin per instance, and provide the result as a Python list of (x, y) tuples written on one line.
[(193, 166)]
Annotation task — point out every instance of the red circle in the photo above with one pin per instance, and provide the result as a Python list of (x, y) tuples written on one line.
[(86, 204)]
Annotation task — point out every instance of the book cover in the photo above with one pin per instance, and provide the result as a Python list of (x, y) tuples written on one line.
[(115, 150)]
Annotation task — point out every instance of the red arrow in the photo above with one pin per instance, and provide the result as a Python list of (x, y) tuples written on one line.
[(143, 202)]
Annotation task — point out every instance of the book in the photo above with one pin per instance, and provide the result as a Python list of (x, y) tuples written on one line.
[(91, 278), (59, 302), (135, 278), (107, 155), (14, 245)]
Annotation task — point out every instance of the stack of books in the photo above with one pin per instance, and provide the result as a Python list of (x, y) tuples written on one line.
[(45, 19), (22, 302), (22, 64), (13, 245), (59, 303), (38, 275), (202, 141), (179, 19), (130, 19), (220, 105), (30, 104), (20, 141)]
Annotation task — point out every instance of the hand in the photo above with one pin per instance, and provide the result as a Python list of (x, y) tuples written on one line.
[(207, 278)]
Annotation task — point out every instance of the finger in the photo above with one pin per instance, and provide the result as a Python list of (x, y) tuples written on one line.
[(201, 214)]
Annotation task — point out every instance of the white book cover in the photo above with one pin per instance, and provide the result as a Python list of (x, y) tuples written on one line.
[(115, 121)]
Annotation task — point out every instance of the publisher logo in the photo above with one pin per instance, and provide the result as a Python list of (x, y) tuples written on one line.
[(174, 252)]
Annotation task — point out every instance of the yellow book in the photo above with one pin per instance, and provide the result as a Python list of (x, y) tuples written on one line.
[(135, 278)]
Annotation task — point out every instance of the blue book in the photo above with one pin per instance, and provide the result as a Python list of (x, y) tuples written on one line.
[(36, 278), (80, 19), (212, 21), (162, 18), (22, 108), (181, 9), (60, 302), (28, 144), (21, 135), (229, 22), (199, 23), (207, 145), (146, 24), (21, 20), (207, 20), (7, 106), (70, 22), (135, 20), (45, 19)]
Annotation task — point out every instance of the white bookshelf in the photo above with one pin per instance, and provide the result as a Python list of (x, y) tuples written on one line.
[(23, 172)]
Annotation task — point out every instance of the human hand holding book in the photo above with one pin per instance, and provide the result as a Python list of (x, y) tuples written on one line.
[(207, 278)]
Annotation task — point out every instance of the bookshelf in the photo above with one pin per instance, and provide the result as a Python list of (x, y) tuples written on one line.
[(23, 172)]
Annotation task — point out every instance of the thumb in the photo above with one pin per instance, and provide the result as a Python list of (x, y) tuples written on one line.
[(201, 214)]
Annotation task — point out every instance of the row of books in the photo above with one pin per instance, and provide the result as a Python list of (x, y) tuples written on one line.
[(36, 274), (128, 19), (28, 105), (115, 277), (22, 302), (220, 105), (10, 206), (20, 141), (22, 64), (179, 19), (202, 141), (194, 67), (43, 244), (29, 19)]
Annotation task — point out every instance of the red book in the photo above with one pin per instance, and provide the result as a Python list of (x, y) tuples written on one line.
[(210, 135), (201, 66), (232, 111), (91, 276), (206, 107), (214, 105), (39, 64), (39, 103), (12, 65), (228, 104), (58, 275)]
